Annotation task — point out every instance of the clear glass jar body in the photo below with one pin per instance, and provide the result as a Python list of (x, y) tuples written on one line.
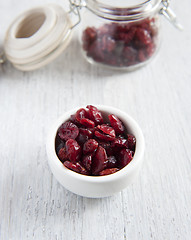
[(119, 44)]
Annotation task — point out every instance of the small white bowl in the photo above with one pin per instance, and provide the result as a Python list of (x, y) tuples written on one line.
[(97, 186)]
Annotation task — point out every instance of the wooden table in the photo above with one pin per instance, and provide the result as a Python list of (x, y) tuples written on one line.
[(33, 205)]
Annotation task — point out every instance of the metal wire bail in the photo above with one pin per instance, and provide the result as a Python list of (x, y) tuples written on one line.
[(169, 14), (75, 6)]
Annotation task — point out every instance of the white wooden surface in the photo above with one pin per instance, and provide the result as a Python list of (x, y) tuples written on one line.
[(158, 205)]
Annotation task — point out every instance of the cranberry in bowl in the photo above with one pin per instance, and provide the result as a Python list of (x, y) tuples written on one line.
[(95, 151)]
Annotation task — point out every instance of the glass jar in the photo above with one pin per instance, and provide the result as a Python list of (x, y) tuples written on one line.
[(112, 34), (120, 37)]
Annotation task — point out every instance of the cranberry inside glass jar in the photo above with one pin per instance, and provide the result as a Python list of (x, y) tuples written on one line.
[(120, 34)]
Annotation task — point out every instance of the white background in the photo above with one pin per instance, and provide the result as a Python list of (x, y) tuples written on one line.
[(33, 205)]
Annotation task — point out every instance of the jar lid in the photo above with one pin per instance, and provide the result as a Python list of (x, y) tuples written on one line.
[(37, 37), (123, 10)]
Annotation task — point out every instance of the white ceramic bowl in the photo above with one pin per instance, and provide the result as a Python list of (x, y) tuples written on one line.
[(97, 186)]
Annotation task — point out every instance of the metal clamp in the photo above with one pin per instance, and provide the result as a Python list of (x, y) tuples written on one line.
[(169, 14), (75, 6)]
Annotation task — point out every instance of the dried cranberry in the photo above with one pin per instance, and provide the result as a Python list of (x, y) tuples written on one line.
[(92, 130), (68, 130), (142, 37), (99, 160), (80, 114), (62, 154), (76, 167), (82, 117), (131, 142), (125, 157), (146, 24), (87, 161), (127, 36), (107, 146), (108, 171), (73, 120), (116, 124), (107, 130), (118, 144), (108, 44), (84, 135), (112, 162), (71, 166), (73, 150), (81, 169), (103, 137), (90, 146), (89, 35), (95, 115)]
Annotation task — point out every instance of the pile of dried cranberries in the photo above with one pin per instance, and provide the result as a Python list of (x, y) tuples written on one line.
[(121, 44), (88, 145)]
